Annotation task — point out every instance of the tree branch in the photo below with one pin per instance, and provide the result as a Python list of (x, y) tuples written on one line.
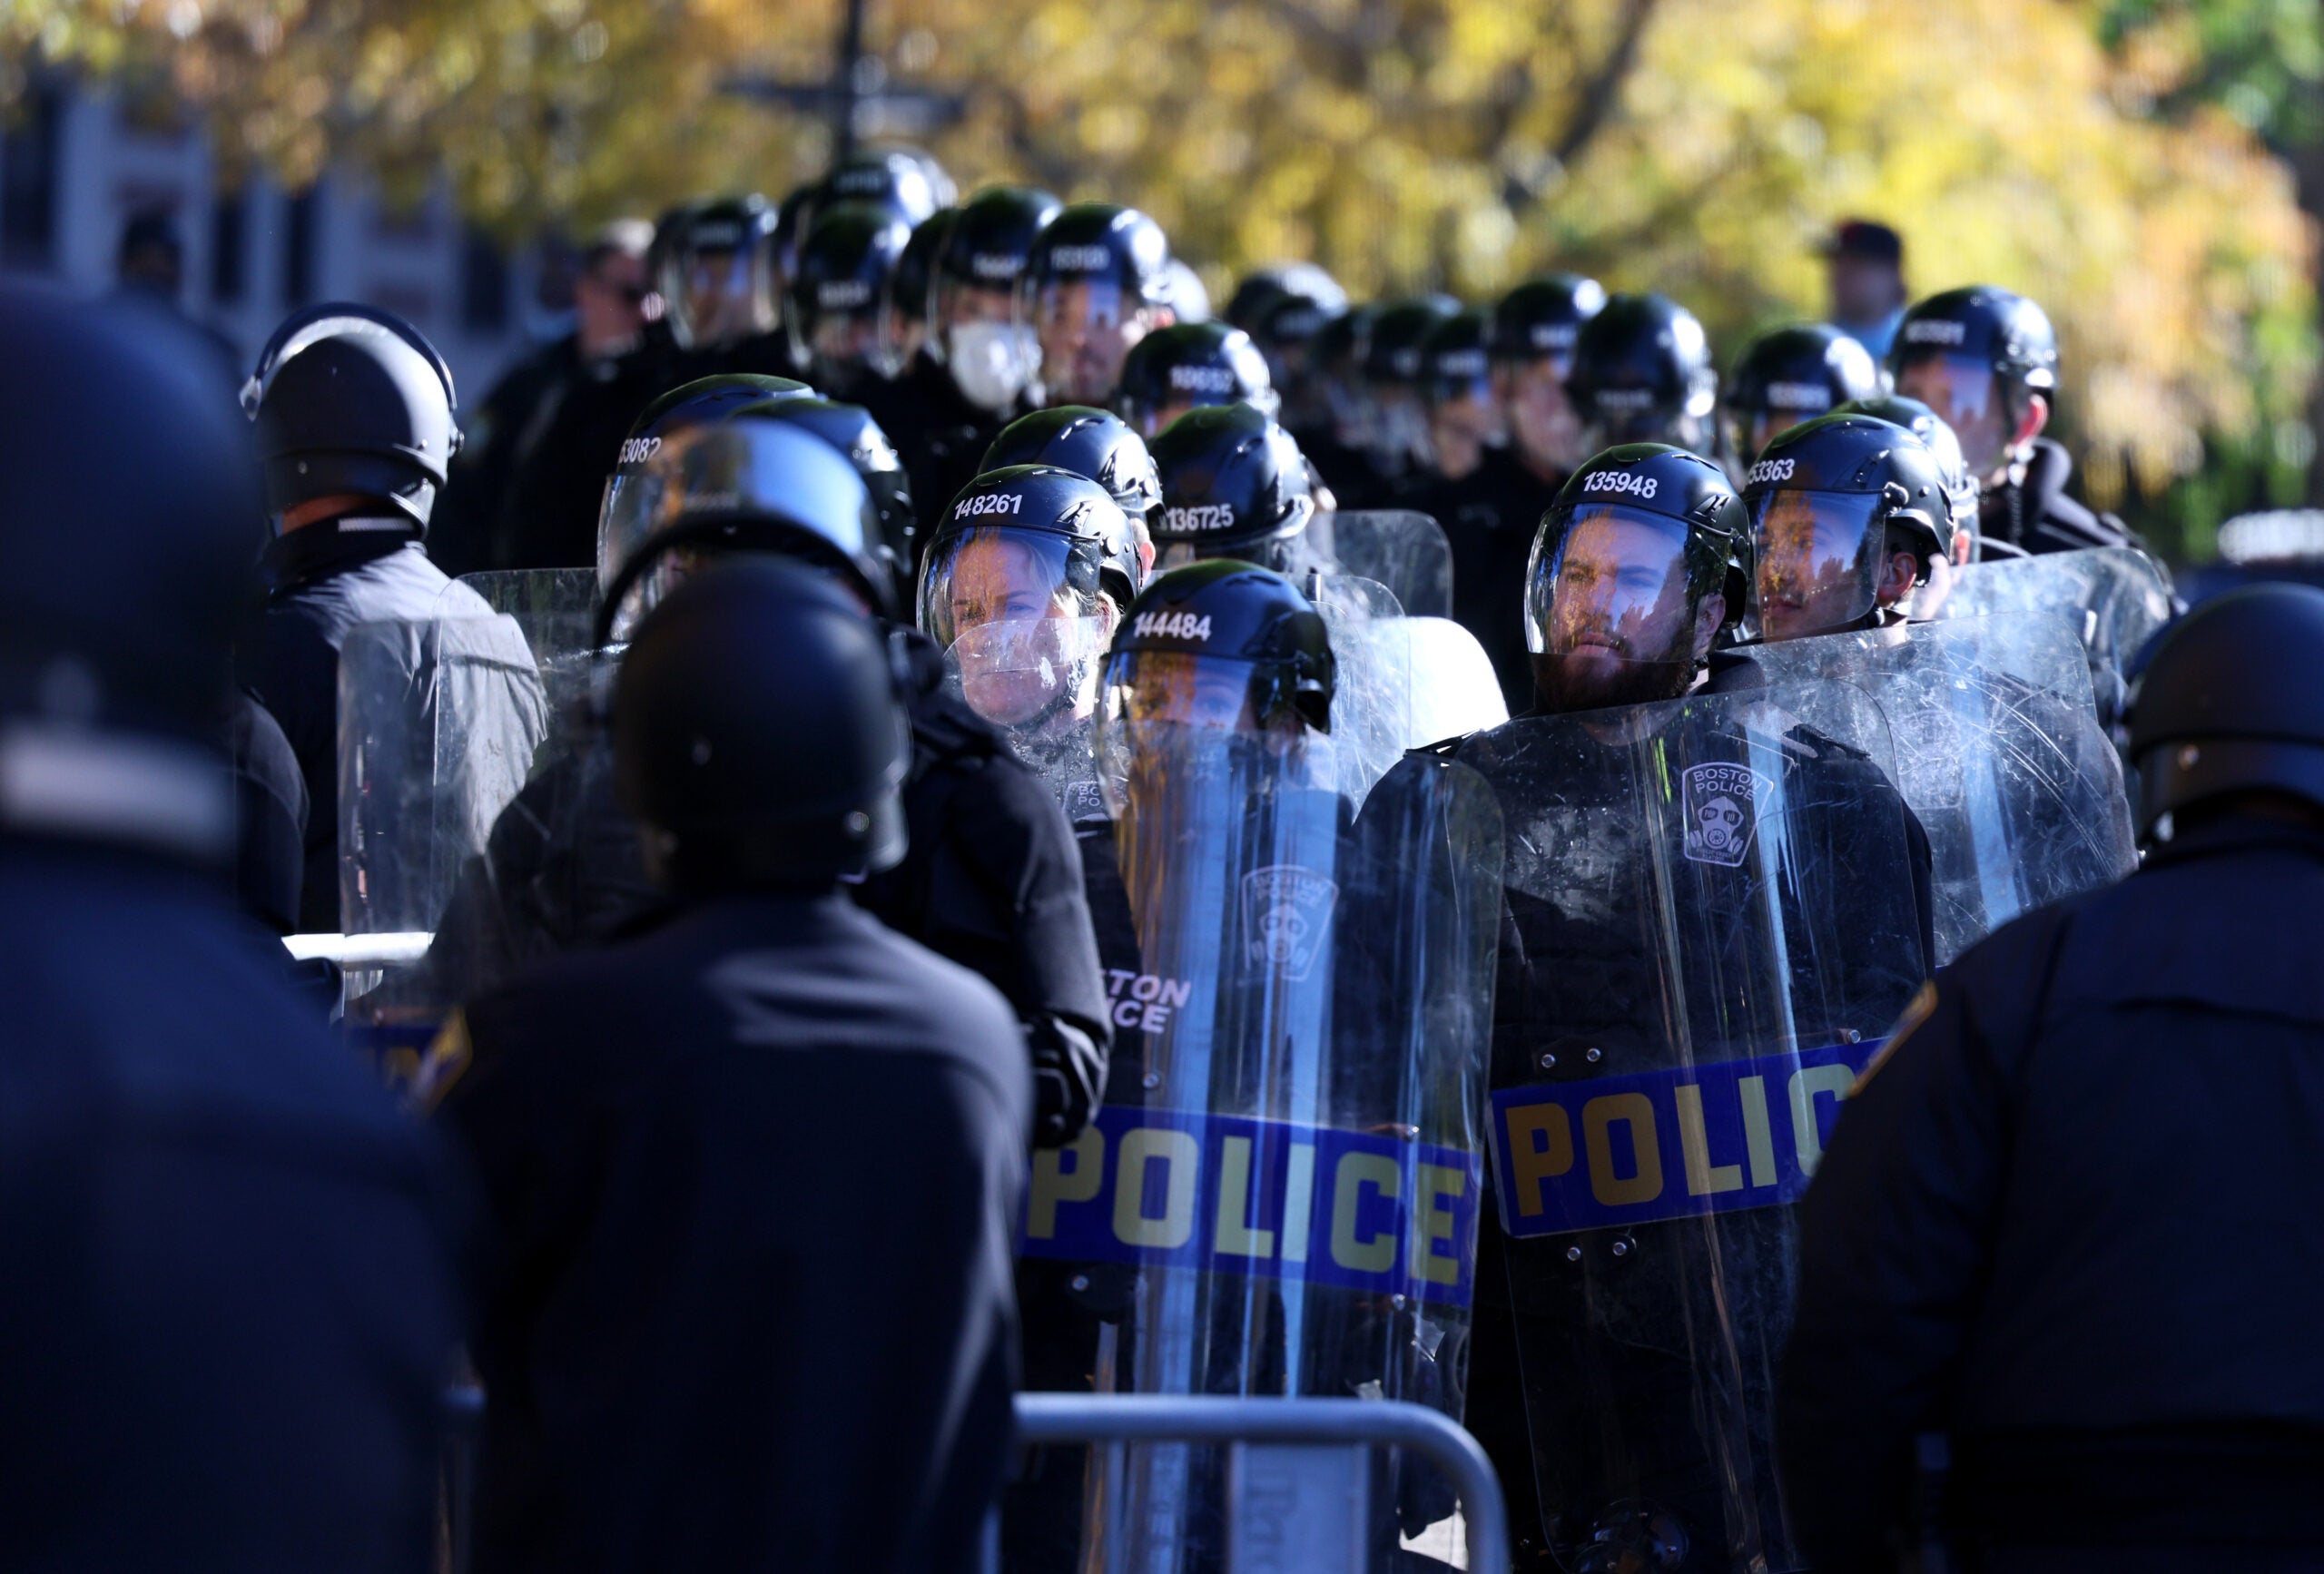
[(1604, 88)]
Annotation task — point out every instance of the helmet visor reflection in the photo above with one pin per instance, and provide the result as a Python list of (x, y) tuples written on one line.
[(988, 575), (1818, 559), (1615, 584), (1211, 692), (1958, 387)]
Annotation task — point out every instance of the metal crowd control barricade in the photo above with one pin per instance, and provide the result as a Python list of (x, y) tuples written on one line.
[(1299, 1474)]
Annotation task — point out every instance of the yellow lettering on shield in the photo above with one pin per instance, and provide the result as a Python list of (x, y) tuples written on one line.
[(1635, 1110), (1376, 1253), (1541, 1148), (1704, 1178), (1179, 1152), (1805, 1084), (1053, 1184), (1433, 1222)]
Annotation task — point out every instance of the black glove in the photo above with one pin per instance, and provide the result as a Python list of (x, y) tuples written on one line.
[(1068, 1079)]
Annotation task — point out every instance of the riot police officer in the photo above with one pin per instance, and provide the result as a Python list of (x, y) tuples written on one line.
[(1789, 375), (979, 361), (835, 293), (717, 266), (1457, 397), (1847, 515), (904, 309), (906, 182), (671, 1379), (1096, 444), (1095, 285), (1490, 516), (1286, 334), (991, 880), (353, 413), (1334, 425), (2042, 1145), (1642, 374), (1024, 583), (1186, 365), (1397, 447), (850, 429), (1234, 484), (1986, 360), (198, 1171), (1626, 1312)]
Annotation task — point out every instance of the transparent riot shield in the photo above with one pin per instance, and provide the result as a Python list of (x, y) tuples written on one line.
[(2115, 598), (1710, 924), (556, 609), (1454, 691), (1297, 1186), (1401, 548), (1373, 689), (439, 722), (1999, 752), (1037, 680)]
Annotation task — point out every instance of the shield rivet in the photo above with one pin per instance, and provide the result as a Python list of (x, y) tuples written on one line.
[(1549, 1061), (1593, 1056), (1573, 1254)]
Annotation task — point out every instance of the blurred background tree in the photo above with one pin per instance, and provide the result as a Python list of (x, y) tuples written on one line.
[(2148, 168)]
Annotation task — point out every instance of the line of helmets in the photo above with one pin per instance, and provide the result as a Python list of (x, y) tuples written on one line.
[(1038, 407)]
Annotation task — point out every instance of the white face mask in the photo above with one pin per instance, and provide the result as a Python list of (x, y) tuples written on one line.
[(992, 362)]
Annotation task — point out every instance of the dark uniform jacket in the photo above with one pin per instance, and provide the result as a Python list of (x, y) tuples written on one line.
[(322, 580), (234, 1293), (1490, 517), (2073, 1220), (990, 879), (271, 815), (2036, 515), (753, 1181), (939, 435)]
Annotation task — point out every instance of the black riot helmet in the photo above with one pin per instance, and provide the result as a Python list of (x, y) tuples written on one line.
[(752, 483), (1455, 363), (1960, 486), (1026, 542), (1234, 484), (1102, 242), (1541, 319), (1642, 373), (850, 429), (909, 184), (1976, 356), (633, 506), (717, 267), (1829, 501), (1259, 292), (1089, 442), (845, 261), (1222, 644), (725, 686), (1187, 364), (992, 240), (129, 508), (1790, 376), (2226, 703), (1636, 540), (1392, 348), (351, 400)]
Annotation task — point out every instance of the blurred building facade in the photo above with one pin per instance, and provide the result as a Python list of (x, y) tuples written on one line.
[(76, 165)]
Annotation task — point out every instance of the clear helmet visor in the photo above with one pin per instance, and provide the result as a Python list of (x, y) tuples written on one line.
[(996, 575), (1609, 616), (844, 349), (715, 296), (1032, 674), (1085, 327), (1818, 560), (1162, 709), (1967, 397)]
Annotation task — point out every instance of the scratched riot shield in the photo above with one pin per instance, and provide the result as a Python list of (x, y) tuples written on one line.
[(1710, 926), (439, 722), (2115, 599), (556, 609), (1036, 680), (1999, 752), (1297, 1180), (1372, 701), (1399, 547)]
